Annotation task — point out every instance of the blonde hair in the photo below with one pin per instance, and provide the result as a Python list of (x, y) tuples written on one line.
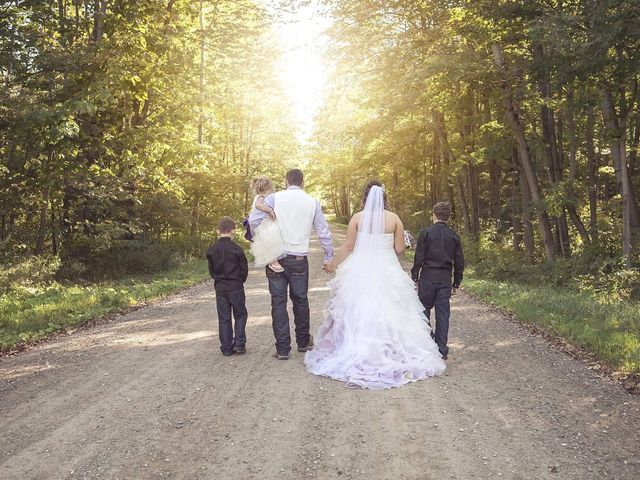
[(262, 186)]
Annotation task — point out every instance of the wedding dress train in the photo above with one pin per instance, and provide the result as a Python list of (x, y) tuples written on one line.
[(375, 333)]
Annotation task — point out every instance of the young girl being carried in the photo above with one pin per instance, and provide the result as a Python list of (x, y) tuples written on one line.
[(267, 243)]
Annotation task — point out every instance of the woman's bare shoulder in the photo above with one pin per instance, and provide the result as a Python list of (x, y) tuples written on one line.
[(392, 215), (355, 219)]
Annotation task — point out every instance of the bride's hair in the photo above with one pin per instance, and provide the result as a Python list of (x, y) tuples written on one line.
[(367, 189)]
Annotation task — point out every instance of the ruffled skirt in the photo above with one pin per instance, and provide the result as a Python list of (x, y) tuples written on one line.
[(267, 243), (375, 334)]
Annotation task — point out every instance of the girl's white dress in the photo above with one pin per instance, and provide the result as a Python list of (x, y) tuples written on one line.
[(375, 334), (267, 243)]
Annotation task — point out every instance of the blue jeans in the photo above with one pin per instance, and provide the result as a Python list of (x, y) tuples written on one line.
[(228, 302), (295, 280), (437, 294)]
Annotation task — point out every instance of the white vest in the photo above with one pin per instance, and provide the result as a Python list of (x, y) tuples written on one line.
[(295, 211)]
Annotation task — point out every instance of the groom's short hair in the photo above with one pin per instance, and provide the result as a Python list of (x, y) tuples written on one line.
[(442, 211), (295, 177), (226, 225)]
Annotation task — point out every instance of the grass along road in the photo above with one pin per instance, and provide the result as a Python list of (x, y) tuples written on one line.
[(29, 313), (609, 330)]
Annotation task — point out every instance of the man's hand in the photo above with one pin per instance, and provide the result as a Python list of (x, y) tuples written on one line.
[(329, 267)]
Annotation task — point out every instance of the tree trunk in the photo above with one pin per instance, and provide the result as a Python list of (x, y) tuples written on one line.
[(525, 158), (345, 210), (450, 197), (474, 195), (633, 149), (573, 154), (465, 129), (425, 178), (464, 207), (494, 187), (571, 127), (592, 175), (54, 234), (77, 18), (435, 171), (448, 156), (551, 148), (66, 211), (527, 226), (42, 224), (515, 216), (548, 123), (61, 18), (195, 216), (99, 14), (618, 131), (577, 222), (202, 71), (563, 234)]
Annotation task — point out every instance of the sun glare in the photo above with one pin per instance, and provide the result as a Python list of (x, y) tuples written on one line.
[(301, 66)]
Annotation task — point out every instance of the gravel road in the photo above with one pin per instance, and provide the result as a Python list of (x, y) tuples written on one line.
[(148, 395)]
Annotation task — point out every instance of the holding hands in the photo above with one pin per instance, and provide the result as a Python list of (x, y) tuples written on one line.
[(329, 267)]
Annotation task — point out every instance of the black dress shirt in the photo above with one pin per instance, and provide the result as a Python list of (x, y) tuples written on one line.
[(439, 251), (227, 264)]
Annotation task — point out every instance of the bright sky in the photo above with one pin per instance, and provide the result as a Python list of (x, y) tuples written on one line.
[(302, 70)]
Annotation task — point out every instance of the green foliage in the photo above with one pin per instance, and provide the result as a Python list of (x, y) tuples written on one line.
[(418, 101), (130, 257), (607, 277), (595, 270), (28, 272), (125, 127)]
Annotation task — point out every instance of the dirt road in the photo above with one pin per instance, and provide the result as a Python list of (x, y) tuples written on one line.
[(148, 395)]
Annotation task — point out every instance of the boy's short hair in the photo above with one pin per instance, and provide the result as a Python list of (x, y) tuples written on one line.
[(442, 211), (295, 177), (226, 225)]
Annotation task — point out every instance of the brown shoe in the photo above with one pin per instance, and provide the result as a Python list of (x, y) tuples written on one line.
[(309, 346)]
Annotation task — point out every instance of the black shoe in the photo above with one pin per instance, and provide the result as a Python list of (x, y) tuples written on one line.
[(228, 354), (309, 346), (240, 350), (281, 356)]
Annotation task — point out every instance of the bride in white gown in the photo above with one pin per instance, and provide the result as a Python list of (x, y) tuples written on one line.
[(375, 334)]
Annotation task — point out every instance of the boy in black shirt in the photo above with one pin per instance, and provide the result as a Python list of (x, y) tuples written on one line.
[(229, 269), (438, 252)]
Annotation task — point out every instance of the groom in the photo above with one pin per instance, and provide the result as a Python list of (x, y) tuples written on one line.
[(297, 214)]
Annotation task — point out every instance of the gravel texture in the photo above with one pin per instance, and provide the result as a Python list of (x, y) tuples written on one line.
[(148, 395)]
